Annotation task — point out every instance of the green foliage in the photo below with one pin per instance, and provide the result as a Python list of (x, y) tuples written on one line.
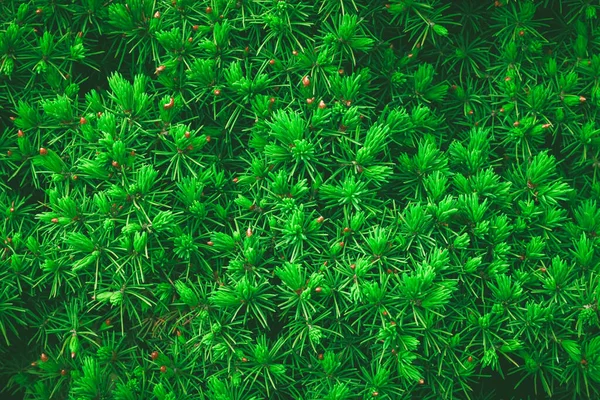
[(299, 200)]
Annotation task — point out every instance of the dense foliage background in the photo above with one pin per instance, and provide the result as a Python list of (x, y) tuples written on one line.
[(335, 199)]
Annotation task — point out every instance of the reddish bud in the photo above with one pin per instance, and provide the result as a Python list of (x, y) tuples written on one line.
[(82, 121), (320, 219), (157, 14), (470, 112), (187, 135), (341, 71), (272, 62), (385, 313), (159, 69), (115, 164), (543, 269), (217, 92), (154, 355), (272, 100), (294, 52), (310, 101), (235, 180), (244, 359), (521, 33), (39, 11), (9, 153), (248, 232), (319, 289), (73, 354), (501, 109), (507, 79), (305, 81), (322, 105), (470, 359), (516, 124), (132, 153), (341, 244), (210, 243), (44, 357), (375, 394), (410, 55), (582, 99), (63, 372), (20, 133), (43, 151), (421, 381), (320, 356), (195, 28), (584, 362), (54, 220), (170, 104), (209, 10), (34, 364), (352, 266), (546, 126), (107, 322), (347, 230), (163, 369)]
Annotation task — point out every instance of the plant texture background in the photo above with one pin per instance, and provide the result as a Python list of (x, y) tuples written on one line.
[(337, 199)]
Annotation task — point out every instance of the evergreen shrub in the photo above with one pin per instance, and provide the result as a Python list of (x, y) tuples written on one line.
[(299, 199)]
